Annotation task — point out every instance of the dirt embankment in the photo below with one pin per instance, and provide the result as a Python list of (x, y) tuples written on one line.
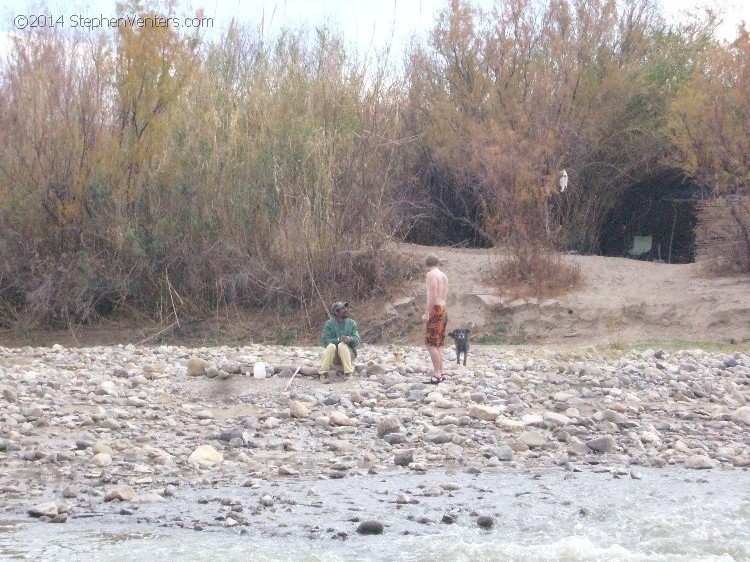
[(619, 301)]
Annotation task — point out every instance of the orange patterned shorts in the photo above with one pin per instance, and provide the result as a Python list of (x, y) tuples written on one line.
[(436, 321)]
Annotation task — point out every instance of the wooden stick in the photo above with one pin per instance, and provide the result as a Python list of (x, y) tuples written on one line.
[(290, 380), (173, 324)]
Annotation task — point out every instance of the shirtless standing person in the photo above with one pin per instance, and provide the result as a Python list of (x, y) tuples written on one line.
[(436, 317)]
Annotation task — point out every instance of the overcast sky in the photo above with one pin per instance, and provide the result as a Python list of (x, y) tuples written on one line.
[(365, 22)]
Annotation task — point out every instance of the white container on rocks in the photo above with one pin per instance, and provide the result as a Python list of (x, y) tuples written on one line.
[(259, 370)]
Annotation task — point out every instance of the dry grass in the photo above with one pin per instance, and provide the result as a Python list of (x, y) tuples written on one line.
[(257, 174), (147, 171), (538, 275), (723, 235)]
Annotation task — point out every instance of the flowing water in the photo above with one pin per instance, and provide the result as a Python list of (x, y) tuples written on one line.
[(665, 514)]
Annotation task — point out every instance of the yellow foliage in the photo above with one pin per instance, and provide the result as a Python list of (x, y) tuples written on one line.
[(711, 117)]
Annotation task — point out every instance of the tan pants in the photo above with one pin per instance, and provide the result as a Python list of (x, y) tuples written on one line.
[(333, 352)]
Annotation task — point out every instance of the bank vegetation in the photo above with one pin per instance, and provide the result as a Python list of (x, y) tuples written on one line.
[(156, 171)]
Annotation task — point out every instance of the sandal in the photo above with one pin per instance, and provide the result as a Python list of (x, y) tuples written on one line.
[(434, 380)]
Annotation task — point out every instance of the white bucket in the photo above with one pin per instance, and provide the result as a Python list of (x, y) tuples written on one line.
[(259, 370)]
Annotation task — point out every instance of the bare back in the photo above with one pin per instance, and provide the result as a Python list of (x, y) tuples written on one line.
[(437, 288)]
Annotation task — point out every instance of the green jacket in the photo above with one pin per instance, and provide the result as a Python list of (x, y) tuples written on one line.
[(332, 330)]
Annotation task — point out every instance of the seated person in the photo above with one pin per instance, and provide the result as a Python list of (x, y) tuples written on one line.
[(340, 339)]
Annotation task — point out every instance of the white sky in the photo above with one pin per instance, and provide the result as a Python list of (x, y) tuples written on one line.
[(375, 21), (366, 22)]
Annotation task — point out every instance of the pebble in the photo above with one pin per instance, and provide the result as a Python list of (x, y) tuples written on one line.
[(101, 459), (370, 527), (48, 509), (196, 367), (341, 419), (100, 447), (504, 453), (742, 415), (115, 418), (482, 412), (485, 522), (533, 439), (449, 518), (298, 410), (123, 493), (601, 444), (206, 455), (700, 462), (266, 501), (404, 458)]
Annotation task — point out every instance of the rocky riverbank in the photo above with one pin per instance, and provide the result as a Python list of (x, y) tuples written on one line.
[(123, 430)]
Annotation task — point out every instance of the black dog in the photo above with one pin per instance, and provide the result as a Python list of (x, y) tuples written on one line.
[(461, 335)]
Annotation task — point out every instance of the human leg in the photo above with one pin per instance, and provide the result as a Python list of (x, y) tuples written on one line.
[(434, 339), (346, 358), (328, 356), (436, 355)]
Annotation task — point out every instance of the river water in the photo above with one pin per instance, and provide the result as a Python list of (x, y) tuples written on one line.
[(667, 514)]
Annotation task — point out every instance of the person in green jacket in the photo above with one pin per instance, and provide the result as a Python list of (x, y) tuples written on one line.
[(340, 339)]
